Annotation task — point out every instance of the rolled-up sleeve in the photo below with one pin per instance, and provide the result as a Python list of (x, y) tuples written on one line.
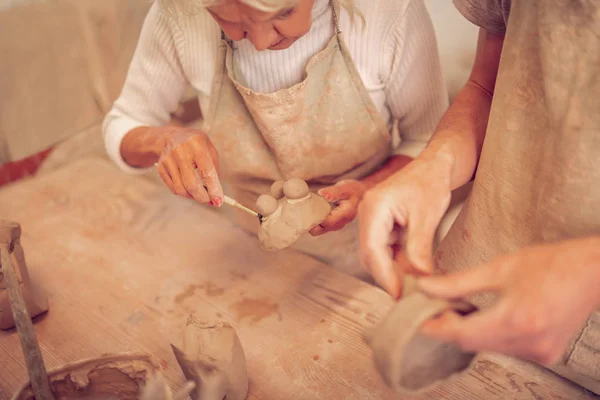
[(491, 15)]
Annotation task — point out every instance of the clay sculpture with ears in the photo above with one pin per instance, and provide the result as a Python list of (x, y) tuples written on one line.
[(35, 298), (211, 356), (289, 212), (407, 360)]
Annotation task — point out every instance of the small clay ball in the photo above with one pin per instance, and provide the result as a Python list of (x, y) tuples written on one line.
[(295, 189), (277, 189), (266, 205)]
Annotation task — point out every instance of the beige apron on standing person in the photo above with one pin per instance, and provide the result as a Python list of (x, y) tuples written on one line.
[(538, 179), (323, 130)]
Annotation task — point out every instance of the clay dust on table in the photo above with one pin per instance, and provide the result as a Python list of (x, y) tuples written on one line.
[(210, 289), (256, 309)]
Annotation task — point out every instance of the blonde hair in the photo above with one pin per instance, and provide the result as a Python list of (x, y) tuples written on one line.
[(193, 6)]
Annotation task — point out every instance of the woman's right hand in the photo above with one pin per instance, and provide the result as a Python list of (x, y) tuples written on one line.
[(184, 151), (398, 219)]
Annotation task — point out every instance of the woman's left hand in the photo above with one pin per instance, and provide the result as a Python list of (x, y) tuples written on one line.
[(345, 195), (544, 296)]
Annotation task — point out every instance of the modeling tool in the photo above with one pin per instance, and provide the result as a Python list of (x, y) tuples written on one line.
[(29, 344), (233, 203)]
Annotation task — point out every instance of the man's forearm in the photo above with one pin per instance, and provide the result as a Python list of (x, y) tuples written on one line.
[(456, 145), (460, 134), (393, 164)]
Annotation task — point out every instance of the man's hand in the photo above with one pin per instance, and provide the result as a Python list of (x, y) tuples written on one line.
[(544, 296), (398, 219), (345, 195)]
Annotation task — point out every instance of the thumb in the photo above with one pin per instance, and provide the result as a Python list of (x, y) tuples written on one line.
[(336, 193), (419, 244), (376, 224)]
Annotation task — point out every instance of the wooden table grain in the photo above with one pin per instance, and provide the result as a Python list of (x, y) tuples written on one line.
[(125, 262)]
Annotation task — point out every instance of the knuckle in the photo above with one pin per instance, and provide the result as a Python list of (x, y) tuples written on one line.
[(178, 154), (199, 140)]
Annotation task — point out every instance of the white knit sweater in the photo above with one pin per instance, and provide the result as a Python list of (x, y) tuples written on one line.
[(396, 55)]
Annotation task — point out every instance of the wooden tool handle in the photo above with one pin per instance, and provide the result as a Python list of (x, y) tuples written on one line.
[(29, 343)]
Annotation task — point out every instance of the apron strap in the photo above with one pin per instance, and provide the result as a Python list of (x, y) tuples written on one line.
[(224, 37), (336, 13)]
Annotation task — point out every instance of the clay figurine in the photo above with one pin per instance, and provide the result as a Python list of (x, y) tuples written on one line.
[(211, 356), (36, 300), (289, 212), (408, 361), (117, 376)]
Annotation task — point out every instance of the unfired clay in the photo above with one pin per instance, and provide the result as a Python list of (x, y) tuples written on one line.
[(119, 376), (211, 356), (277, 189), (36, 300), (266, 205), (297, 212), (407, 360)]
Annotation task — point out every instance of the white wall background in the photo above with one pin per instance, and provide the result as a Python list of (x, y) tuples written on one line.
[(456, 39)]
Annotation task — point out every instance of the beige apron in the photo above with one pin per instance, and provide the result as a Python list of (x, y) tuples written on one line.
[(323, 130), (538, 179)]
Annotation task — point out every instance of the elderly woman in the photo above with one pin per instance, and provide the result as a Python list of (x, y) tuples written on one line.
[(304, 89)]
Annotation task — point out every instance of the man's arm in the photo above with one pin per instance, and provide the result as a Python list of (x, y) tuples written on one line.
[(459, 137), (414, 199)]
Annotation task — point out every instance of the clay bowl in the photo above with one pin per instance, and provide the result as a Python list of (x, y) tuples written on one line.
[(408, 361), (113, 376)]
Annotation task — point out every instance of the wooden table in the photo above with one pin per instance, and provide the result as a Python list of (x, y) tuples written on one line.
[(125, 262)]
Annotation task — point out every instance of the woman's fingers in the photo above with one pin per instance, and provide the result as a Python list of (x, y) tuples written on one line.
[(340, 216), (164, 175), (214, 156), (188, 165), (338, 192), (207, 170), (317, 231), (192, 182), (173, 170)]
